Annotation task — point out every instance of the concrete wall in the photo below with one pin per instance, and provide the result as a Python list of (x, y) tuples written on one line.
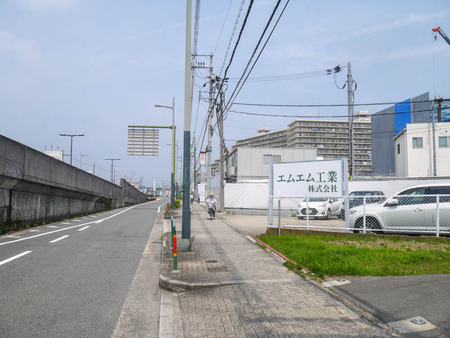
[(130, 195), (35, 187)]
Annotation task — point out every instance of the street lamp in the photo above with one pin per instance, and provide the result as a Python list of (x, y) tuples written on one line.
[(71, 142), (112, 166), (172, 188)]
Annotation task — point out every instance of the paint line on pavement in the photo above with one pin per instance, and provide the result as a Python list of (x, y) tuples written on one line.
[(83, 228), (69, 228), (58, 239), (52, 226), (14, 257)]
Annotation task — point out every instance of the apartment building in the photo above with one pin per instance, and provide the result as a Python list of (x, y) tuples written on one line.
[(329, 137), (265, 139)]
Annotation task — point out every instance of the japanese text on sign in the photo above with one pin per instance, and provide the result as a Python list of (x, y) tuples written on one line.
[(307, 178)]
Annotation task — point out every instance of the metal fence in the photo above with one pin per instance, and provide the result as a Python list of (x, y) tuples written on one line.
[(404, 214)]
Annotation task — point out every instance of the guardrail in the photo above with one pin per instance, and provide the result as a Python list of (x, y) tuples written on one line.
[(407, 214)]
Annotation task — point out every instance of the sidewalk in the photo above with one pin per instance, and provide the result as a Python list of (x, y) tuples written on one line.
[(230, 287)]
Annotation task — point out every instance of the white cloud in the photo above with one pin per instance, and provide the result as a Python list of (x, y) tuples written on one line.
[(43, 5), (27, 51)]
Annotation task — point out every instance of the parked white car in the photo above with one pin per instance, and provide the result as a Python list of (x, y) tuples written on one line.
[(319, 207), (412, 210)]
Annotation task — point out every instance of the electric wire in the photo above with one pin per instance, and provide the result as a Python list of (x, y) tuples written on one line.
[(232, 36), (223, 25), (230, 101), (239, 85)]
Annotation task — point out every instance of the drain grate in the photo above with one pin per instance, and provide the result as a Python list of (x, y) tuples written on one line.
[(217, 269)]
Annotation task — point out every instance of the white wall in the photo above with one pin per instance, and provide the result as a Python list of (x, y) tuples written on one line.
[(250, 160), (418, 162), (255, 195)]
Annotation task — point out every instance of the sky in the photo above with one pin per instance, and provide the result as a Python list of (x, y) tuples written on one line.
[(95, 67)]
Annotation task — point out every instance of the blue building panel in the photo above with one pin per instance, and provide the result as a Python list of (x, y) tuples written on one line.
[(402, 115)]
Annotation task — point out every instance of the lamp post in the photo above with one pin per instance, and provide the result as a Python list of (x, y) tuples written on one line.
[(71, 142), (112, 166), (172, 179)]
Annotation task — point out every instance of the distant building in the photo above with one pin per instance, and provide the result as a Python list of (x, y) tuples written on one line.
[(416, 153), (388, 123), (329, 137), (265, 138), (250, 163)]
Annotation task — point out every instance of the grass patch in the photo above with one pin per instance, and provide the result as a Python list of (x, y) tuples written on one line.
[(364, 255)]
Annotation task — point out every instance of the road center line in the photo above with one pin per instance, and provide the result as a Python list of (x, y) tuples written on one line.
[(68, 228), (15, 257), (58, 239)]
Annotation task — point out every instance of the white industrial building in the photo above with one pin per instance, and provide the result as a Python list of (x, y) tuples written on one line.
[(254, 163), (417, 154)]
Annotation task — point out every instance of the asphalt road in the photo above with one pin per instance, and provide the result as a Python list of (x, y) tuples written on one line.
[(394, 299), (70, 279)]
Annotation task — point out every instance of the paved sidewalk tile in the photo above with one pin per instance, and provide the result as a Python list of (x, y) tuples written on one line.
[(257, 296)]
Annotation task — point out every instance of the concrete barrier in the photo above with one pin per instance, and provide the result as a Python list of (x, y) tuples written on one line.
[(37, 188)]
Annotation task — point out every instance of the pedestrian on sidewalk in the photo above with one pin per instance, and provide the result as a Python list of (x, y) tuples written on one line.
[(211, 205)]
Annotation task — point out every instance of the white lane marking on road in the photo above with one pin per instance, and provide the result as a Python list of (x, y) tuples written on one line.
[(83, 228), (76, 220), (13, 236), (94, 216), (65, 223), (52, 226), (58, 239), (69, 228), (33, 230), (159, 208), (99, 221), (14, 257)]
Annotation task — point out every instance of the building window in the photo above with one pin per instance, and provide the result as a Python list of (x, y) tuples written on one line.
[(444, 142), (398, 148), (417, 142)]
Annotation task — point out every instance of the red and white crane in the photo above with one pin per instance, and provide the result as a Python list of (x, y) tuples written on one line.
[(440, 31)]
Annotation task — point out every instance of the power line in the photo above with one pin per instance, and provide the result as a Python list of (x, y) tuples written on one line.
[(255, 50), (234, 95), (292, 76), (328, 105), (232, 35), (223, 25), (326, 117)]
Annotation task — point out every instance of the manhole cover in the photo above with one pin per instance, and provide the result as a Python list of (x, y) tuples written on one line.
[(211, 261), (217, 269), (418, 321)]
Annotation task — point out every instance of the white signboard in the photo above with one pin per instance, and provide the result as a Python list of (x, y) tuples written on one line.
[(143, 141), (309, 178)]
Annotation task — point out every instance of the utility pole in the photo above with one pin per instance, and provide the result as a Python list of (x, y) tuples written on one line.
[(212, 80), (186, 216), (351, 96), (221, 148), (112, 166)]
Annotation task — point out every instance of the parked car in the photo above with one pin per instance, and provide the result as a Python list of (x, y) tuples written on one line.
[(357, 198), (319, 207), (412, 210)]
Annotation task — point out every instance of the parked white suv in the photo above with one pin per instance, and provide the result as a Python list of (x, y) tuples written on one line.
[(412, 210), (319, 207)]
